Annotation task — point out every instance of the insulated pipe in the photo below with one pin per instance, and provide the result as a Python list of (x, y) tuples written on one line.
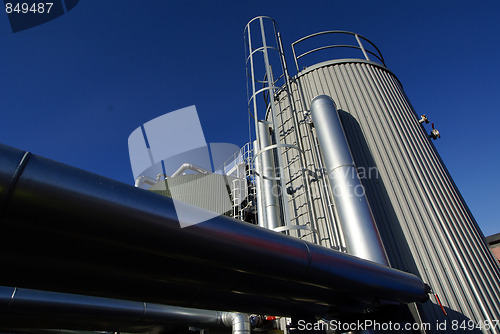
[(186, 166), (258, 190), (358, 225), (269, 186), (238, 266), (27, 308)]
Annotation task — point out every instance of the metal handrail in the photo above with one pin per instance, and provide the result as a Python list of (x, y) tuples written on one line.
[(359, 46)]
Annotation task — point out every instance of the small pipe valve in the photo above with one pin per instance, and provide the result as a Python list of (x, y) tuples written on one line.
[(434, 133)]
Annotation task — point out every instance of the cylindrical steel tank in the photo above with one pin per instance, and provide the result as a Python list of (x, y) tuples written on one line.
[(360, 230), (426, 226)]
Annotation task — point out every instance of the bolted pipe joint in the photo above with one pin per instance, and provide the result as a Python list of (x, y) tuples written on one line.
[(239, 322)]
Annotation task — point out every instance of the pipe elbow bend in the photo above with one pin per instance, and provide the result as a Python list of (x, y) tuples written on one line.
[(239, 322)]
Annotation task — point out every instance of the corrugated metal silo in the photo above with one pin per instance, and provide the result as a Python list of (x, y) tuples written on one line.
[(426, 226)]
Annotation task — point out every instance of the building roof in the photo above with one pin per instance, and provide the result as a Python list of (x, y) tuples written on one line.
[(493, 239)]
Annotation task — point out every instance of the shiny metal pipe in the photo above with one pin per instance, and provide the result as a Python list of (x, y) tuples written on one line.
[(269, 186), (239, 322), (45, 204), (187, 166), (144, 179), (258, 189), (358, 225)]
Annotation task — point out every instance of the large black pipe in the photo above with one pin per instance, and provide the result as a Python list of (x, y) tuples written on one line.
[(28, 309), (45, 204), (25, 308)]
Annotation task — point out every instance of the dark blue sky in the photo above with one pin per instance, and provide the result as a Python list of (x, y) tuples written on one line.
[(74, 88)]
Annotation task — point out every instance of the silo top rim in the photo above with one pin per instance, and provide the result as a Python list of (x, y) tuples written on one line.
[(343, 61), (358, 45)]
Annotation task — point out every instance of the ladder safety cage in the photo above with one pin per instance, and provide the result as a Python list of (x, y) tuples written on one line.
[(264, 47), (239, 167)]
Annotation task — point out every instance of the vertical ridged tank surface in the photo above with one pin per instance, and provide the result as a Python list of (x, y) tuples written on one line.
[(425, 225)]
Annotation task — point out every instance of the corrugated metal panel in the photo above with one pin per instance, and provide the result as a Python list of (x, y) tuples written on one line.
[(209, 192), (425, 224)]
